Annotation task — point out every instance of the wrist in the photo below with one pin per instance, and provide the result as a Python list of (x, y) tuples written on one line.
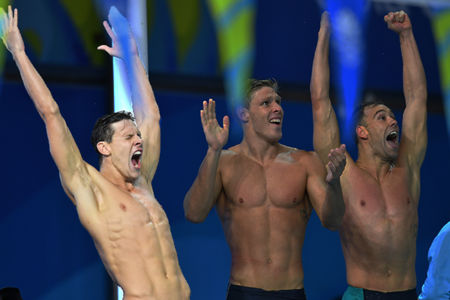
[(405, 34), (17, 53), (214, 150)]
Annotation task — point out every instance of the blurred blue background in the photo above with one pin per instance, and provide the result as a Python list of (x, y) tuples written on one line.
[(45, 251)]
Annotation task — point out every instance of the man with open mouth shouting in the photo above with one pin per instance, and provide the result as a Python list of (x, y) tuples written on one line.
[(116, 205), (382, 188)]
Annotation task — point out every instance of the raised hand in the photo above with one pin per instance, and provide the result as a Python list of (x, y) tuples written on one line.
[(336, 164), (325, 22), (398, 21), (117, 44), (216, 136), (10, 32)]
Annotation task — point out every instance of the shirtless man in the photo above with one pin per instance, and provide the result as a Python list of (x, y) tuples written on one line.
[(264, 193), (381, 189), (116, 204)]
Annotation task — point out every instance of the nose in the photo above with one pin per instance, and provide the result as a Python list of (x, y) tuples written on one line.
[(276, 107), (138, 140), (393, 122)]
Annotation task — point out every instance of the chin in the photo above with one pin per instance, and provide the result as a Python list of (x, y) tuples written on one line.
[(392, 157)]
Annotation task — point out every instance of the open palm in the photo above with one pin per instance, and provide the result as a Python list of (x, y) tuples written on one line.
[(10, 32), (216, 136)]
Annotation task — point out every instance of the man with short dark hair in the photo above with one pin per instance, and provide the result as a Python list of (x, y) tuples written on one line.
[(382, 188), (116, 204), (264, 193)]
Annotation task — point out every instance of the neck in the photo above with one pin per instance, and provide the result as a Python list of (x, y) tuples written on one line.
[(373, 164), (116, 178), (258, 149)]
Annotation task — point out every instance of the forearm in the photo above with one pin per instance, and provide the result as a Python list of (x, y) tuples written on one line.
[(143, 98), (414, 81), (326, 134), (320, 76), (203, 193), (333, 208), (35, 85)]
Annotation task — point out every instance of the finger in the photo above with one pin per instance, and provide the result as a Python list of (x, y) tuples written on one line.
[(4, 27), (109, 30), (401, 16), (331, 168), (3, 20), (205, 110), (16, 17), (202, 117), (10, 16), (210, 109), (324, 18), (105, 48), (213, 109), (390, 16), (226, 122), (395, 19), (333, 160)]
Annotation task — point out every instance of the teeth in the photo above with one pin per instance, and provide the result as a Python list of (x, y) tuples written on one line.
[(393, 133), (392, 136), (138, 153), (275, 121)]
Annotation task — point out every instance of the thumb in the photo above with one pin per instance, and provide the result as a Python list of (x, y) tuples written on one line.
[(329, 173), (226, 122), (105, 48)]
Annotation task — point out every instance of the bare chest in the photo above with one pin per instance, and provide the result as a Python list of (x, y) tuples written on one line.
[(249, 184), (387, 200), (133, 209)]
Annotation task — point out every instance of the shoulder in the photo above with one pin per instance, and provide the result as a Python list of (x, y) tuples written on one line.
[(230, 152), (300, 155), (307, 159)]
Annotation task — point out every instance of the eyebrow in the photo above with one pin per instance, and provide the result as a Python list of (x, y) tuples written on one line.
[(390, 113), (379, 111), (270, 98)]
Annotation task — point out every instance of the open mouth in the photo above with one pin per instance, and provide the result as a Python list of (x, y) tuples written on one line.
[(392, 138), (136, 159), (275, 121)]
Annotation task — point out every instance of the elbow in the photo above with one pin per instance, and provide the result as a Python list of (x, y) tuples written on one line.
[(50, 110), (333, 226), (192, 217), (191, 214), (332, 223)]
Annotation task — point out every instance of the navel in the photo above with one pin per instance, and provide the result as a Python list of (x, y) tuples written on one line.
[(269, 261), (123, 207), (241, 200), (388, 273), (363, 203)]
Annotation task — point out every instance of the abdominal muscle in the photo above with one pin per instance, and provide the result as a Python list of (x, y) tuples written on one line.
[(134, 241), (380, 252), (266, 247)]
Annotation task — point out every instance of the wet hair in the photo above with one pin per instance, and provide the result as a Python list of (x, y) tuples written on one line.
[(255, 84), (359, 113), (103, 130)]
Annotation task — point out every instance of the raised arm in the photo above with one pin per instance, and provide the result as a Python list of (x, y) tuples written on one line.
[(145, 108), (205, 190), (326, 130), (63, 149), (326, 195), (414, 127)]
